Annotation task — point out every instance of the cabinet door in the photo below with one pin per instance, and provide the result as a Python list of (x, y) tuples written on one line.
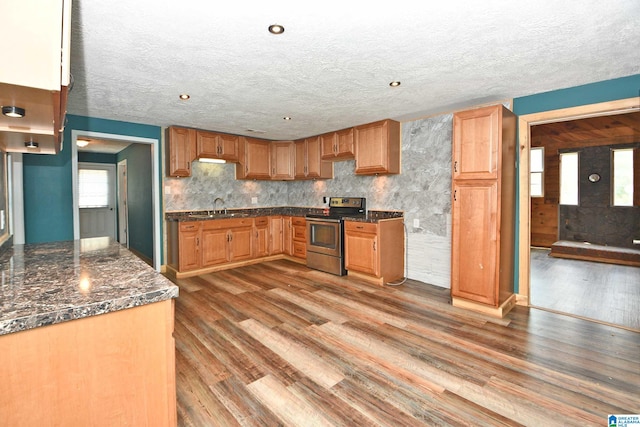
[(189, 249), (287, 235), (474, 241), (361, 252), (207, 145), (276, 240), (344, 144), (257, 159), (301, 159), (476, 143), (282, 160), (240, 243), (214, 247), (328, 146), (261, 241), (377, 147), (181, 146), (228, 147)]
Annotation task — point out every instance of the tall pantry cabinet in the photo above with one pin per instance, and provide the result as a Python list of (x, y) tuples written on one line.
[(483, 210)]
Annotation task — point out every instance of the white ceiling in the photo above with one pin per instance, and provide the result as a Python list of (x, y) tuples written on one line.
[(332, 66)]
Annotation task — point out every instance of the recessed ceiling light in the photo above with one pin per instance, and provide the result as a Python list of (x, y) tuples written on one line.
[(13, 111), (82, 143), (276, 29), (184, 96), (286, 118), (394, 84)]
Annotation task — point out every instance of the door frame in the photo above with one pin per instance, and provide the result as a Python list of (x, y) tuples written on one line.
[(122, 203), (111, 171), (524, 203), (155, 170)]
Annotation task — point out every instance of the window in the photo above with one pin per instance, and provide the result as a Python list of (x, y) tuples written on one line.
[(537, 171), (569, 178), (623, 177), (93, 188)]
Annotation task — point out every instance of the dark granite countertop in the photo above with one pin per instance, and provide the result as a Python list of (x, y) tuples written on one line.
[(372, 215), (48, 283)]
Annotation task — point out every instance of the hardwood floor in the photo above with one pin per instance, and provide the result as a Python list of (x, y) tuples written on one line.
[(277, 344), (607, 293)]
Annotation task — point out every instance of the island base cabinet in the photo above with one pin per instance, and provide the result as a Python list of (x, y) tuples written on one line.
[(106, 370)]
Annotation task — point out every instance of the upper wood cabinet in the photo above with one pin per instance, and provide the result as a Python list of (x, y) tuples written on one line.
[(212, 145), (35, 74), (477, 143), (255, 159), (337, 145), (483, 210), (180, 151), (282, 159), (308, 161), (377, 147)]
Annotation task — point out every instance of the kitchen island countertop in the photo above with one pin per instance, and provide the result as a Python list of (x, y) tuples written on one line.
[(49, 283)]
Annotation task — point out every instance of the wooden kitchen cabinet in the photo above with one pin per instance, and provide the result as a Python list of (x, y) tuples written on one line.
[(282, 160), (375, 251), (309, 164), (214, 244), (255, 159), (189, 246), (287, 236), (181, 151), (213, 145), (299, 237), (261, 234), (377, 148), (483, 210), (337, 145), (276, 235)]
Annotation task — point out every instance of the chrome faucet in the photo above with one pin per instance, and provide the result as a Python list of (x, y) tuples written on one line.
[(216, 201)]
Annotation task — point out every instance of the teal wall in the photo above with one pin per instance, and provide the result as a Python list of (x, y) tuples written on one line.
[(139, 197), (592, 93), (90, 157), (48, 192)]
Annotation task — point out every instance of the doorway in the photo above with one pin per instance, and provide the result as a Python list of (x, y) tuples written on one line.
[(153, 219), (525, 124), (97, 200)]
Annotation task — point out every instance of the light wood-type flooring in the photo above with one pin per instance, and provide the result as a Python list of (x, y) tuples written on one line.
[(277, 344), (607, 293)]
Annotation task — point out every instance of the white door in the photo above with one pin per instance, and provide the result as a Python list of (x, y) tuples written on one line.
[(97, 200), (123, 208)]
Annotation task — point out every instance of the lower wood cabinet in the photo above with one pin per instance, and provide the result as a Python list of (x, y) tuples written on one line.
[(376, 250), (194, 246), (299, 237)]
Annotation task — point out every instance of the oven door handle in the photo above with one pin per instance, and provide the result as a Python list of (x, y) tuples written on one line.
[(323, 220)]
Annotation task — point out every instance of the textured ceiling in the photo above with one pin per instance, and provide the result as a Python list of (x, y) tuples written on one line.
[(332, 66)]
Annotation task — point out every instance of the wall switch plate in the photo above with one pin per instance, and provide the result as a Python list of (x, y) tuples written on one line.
[(167, 189), (254, 200), (416, 223)]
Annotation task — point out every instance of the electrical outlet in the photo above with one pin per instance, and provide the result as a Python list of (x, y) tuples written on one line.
[(416, 223), (254, 200), (167, 189)]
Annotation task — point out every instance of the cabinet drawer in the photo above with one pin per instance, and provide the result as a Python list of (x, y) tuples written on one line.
[(362, 227), (300, 233), (215, 224), (189, 226), (300, 249), (298, 220), (261, 221)]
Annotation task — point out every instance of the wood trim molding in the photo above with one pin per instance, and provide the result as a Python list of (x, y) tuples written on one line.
[(524, 127)]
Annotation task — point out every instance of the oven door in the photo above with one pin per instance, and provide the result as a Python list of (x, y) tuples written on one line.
[(324, 236)]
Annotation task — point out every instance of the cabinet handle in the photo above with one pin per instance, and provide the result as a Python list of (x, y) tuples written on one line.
[(359, 227), (374, 245), (454, 195), (455, 166), (197, 241)]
